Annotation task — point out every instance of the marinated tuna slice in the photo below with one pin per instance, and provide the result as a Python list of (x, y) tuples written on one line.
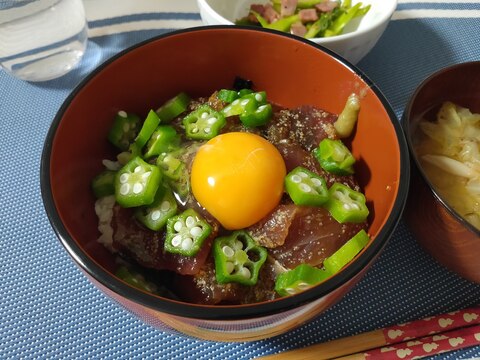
[(203, 287), (215, 103), (294, 155), (146, 247), (313, 236), (235, 125), (305, 125), (272, 231)]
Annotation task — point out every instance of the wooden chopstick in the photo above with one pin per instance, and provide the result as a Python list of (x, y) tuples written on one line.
[(407, 332)]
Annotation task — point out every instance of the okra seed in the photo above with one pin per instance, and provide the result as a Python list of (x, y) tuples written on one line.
[(291, 291), (212, 120), (347, 206), (229, 267), (187, 244), (124, 178), (245, 102), (122, 113), (190, 221), (228, 251), (196, 231), (302, 174), (316, 182), (178, 226), (155, 215), (137, 188), (355, 206), (305, 188), (207, 130), (177, 240), (296, 179), (125, 189), (165, 206), (204, 115), (261, 108), (245, 273), (194, 130), (303, 286), (238, 245), (138, 169), (228, 108), (235, 102), (146, 175), (258, 97)]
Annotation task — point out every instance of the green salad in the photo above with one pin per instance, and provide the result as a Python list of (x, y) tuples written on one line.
[(305, 18)]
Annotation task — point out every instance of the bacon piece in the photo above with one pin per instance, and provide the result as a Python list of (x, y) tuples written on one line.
[(298, 29), (313, 236), (307, 15), (287, 7), (326, 6), (146, 246), (270, 14), (266, 11), (258, 8)]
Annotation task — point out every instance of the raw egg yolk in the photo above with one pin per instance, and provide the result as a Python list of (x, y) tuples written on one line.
[(238, 178)]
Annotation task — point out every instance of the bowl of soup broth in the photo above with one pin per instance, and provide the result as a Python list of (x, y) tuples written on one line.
[(225, 182), (442, 123)]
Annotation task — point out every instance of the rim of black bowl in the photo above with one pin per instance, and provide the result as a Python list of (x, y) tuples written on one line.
[(406, 127), (221, 312)]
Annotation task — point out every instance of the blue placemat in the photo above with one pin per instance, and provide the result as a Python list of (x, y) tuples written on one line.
[(50, 311)]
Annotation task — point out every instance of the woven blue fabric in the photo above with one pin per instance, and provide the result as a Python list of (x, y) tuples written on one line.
[(49, 310)]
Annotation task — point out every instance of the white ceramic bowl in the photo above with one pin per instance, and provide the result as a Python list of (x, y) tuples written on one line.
[(357, 39)]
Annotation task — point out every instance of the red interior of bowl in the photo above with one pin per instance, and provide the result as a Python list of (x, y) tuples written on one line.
[(290, 71)]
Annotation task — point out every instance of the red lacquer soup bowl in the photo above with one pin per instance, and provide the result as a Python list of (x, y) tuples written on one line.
[(439, 229), (198, 61)]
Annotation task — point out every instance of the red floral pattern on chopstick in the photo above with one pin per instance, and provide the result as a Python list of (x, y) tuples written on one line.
[(430, 345), (432, 325)]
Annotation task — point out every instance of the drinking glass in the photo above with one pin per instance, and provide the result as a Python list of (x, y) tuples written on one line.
[(41, 39)]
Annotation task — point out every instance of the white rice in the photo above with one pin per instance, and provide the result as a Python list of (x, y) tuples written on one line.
[(104, 211)]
